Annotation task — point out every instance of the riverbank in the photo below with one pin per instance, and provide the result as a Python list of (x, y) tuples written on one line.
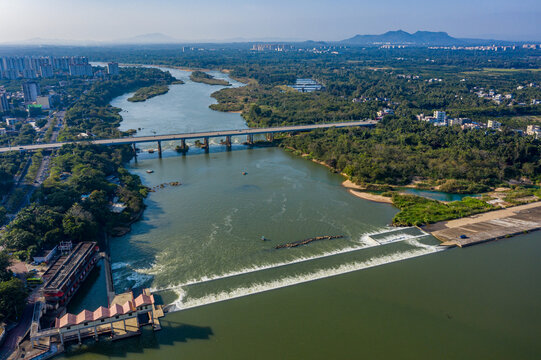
[(357, 190), (488, 226)]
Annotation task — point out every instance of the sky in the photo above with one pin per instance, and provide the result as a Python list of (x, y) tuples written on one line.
[(223, 20)]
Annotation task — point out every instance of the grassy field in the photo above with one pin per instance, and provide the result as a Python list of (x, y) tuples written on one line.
[(417, 211)]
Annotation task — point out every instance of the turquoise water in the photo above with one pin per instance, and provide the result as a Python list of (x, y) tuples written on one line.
[(437, 195)]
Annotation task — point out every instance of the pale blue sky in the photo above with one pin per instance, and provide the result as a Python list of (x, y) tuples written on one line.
[(205, 20)]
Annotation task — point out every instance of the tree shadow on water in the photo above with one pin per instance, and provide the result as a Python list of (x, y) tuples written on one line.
[(172, 333)]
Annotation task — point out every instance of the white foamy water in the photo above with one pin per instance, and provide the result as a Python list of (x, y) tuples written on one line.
[(183, 303), (365, 242), (118, 265)]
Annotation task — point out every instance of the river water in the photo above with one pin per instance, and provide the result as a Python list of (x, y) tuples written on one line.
[(200, 244)]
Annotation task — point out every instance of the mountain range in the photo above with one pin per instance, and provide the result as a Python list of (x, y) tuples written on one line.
[(397, 37), (419, 38)]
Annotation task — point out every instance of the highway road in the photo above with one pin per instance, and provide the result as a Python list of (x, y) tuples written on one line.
[(196, 135)]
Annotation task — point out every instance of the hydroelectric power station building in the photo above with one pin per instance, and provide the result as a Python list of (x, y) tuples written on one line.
[(66, 274)]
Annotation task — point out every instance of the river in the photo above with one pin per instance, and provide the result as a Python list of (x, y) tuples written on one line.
[(200, 244)]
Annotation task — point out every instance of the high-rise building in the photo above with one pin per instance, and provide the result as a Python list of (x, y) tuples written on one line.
[(80, 70), (29, 74), (46, 70), (32, 67), (30, 91), (112, 68), (10, 74), (4, 104)]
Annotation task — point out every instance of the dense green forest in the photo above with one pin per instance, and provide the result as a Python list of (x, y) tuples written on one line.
[(398, 150), (73, 203), (12, 292)]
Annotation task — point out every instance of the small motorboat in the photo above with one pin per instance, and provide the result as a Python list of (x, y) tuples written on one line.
[(244, 173), (150, 151), (149, 171)]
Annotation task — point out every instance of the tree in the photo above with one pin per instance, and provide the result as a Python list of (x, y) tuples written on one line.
[(5, 274), (18, 239), (79, 224), (12, 298)]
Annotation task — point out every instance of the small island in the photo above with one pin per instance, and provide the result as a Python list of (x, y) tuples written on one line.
[(148, 92), (202, 77)]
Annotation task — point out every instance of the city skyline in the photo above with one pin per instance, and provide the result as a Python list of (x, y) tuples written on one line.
[(242, 20)]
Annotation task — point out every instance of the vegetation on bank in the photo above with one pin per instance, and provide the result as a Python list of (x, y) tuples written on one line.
[(417, 211), (202, 77), (92, 113), (398, 151), (12, 292), (74, 203), (148, 92)]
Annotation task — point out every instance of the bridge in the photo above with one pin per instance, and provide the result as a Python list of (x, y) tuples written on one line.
[(205, 136)]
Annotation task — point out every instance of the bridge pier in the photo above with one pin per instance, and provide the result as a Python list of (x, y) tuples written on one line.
[(183, 148), (160, 149), (134, 151), (228, 142), (270, 137), (205, 142), (250, 139)]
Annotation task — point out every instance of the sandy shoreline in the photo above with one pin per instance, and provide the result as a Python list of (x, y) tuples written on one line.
[(353, 189), (356, 190)]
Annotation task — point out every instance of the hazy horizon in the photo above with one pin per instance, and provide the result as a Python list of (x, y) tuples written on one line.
[(101, 21)]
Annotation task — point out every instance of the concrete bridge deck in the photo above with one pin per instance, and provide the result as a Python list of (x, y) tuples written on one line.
[(195, 135)]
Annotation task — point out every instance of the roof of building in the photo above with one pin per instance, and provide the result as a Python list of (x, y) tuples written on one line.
[(61, 271), (144, 300), (103, 312)]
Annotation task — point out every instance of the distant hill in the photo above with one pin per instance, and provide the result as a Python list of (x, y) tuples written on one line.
[(154, 38), (400, 37)]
